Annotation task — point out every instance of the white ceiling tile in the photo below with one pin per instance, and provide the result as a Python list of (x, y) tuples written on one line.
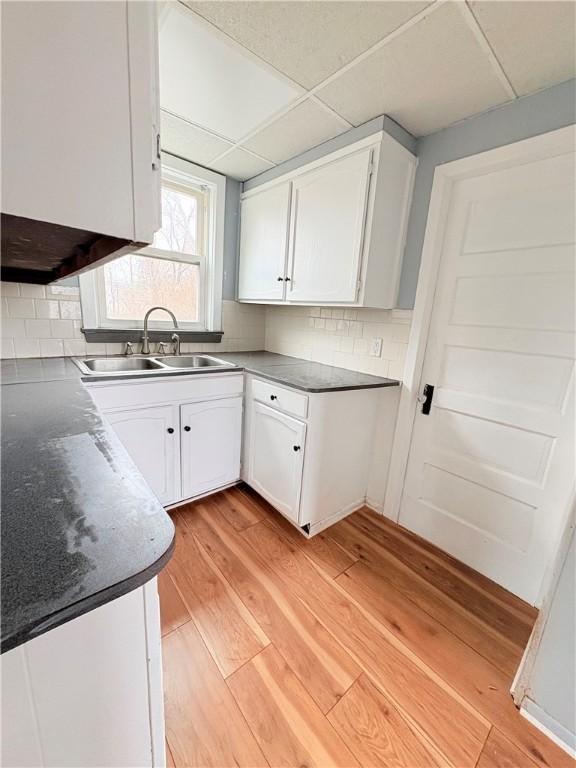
[(311, 40), (241, 165), (535, 42), (302, 128), (432, 75), (188, 141), (212, 82)]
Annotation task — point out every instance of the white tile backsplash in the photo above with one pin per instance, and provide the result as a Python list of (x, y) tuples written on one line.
[(39, 321), (341, 337), (46, 321)]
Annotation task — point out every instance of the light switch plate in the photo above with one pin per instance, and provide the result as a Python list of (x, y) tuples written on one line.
[(376, 347)]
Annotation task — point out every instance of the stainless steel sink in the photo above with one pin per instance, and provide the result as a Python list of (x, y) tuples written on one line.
[(120, 364), (193, 361), (133, 366)]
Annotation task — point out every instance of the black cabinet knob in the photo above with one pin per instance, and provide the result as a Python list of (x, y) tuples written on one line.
[(287, 279), (170, 430), (273, 397), (279, 279), (296, 447), (187, 429)]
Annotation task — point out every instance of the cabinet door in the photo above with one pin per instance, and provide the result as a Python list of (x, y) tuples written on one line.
[(78, 82), (211, 439), (276, 458), (151, 437), (327, 230), (263, 243)]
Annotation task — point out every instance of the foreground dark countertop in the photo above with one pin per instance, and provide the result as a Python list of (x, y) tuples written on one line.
[(79, 525), (303, 374)]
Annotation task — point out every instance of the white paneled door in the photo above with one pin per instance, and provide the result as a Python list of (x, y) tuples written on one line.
[(491, 468)]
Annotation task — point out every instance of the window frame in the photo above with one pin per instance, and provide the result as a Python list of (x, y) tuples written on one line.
[(182, 175)]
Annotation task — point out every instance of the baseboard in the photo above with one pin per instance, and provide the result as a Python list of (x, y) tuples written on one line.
[(326, 523), (555, 731), (375, 506)]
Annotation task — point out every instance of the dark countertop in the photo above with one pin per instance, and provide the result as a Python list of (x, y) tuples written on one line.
[(303, 374), (79, 525)]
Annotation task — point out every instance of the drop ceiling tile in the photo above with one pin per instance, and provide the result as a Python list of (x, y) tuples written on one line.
[(311, 40), (188, 141), (212, 82), (241, 165), (302, 128), (535, 42), (432, 75)]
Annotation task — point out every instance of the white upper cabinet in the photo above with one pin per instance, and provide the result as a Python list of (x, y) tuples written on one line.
[(80, 116), (345, 236), (263, 244), (327, 227)]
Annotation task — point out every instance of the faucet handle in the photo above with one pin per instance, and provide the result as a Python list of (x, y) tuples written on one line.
[(129, 349), (162, 347)]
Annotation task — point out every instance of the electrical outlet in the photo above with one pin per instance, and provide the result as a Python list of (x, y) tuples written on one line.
[(376, 347)]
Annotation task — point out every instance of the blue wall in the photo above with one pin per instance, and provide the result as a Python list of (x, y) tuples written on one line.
[(539, 113)]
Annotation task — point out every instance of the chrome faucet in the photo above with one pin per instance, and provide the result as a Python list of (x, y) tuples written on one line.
[(145, 341), (175, 339)]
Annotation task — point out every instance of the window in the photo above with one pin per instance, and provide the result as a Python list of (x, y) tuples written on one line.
[(181, 270)]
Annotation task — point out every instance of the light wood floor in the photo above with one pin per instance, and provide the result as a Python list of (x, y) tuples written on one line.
[(363, 646)]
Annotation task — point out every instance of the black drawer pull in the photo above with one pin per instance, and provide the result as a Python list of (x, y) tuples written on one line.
[(273, 397), (296, 447), (170, 430), (187, 429)]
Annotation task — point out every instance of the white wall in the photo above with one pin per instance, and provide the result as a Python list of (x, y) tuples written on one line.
[(341, 337), (45, 321)]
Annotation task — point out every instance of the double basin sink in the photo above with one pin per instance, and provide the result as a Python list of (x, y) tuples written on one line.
[(98, 366)]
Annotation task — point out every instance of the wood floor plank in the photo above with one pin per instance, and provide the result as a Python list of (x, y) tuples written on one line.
[(499, 752), (238, 508), (319, 662), (204, 725), (475, 678), (288, 725), (428, 703), (229, 630), (169, 759), (376, 732), (470, 597), (173, 612), (488, 642), (519, 607), (321, 549)]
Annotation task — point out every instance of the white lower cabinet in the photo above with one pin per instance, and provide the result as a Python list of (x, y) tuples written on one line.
[(184, 434), (210, 444), (89, 692), (310, 454), (150, 435), (276, 452)]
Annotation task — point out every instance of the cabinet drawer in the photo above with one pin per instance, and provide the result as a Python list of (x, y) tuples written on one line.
[(278, 397)]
